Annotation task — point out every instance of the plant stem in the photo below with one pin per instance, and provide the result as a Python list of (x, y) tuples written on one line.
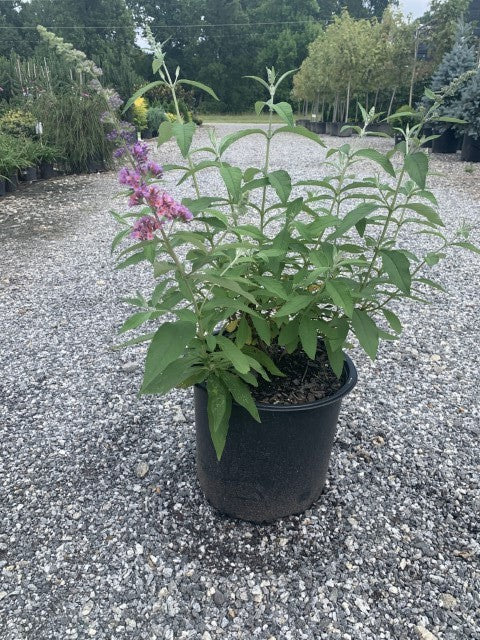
[(184, 276), (265, 169)]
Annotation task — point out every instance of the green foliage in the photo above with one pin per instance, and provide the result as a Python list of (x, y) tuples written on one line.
[(468, 106), (71, 125), (327, 264), (18, 122), (155, 117)]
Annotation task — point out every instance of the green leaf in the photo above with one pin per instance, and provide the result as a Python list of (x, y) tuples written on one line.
[(335, 358), (135, 321), (231, 285), (172, 376), (219, 407), (392, 320), (264, 360), (233, 353), (183, 132), (143, 338), (340, 294), (273, 286), (416, 165), (237, 135), (397, 266), (241, 393), (232, 177), (262, 328), (285, 112), (281, 182), (243, 333), (433, 258), (466, 245), (426, 211), (118, 238), (259, 105), (140, 93), (135, 259), (308, 332), (366, 331), (378, 158), (353, 217), (260, 80), (165, 133), (199, 204), (294, 305), (300, 131), (199, 85), (167, 345)]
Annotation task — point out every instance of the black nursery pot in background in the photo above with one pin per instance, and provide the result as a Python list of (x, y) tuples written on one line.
[(2, 187), (11, 183), (46, 170), (273, 469), (446, 142), (470, 149)]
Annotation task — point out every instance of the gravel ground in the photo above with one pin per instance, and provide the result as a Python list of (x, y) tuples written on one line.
[(103, 530)]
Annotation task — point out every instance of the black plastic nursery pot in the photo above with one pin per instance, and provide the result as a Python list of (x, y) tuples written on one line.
[(318, 127), (470, 149), (446, 142), (273, 469), (2, 187), (95, 166), (46, 170), (302, 122), (11, 184), (381, 127), (336, 130), (29, 174)]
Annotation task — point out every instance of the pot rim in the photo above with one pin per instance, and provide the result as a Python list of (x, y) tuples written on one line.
[(349, 373)]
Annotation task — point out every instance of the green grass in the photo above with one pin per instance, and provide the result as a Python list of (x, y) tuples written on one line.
[(238, 118)]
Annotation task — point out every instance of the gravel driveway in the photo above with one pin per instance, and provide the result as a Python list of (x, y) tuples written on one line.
[(103, 530)]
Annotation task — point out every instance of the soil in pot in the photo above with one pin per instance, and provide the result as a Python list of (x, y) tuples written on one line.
[(446, 142), (470, 149), (279, 467)]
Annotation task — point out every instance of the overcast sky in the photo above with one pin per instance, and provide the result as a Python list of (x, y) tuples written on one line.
[(416, 7)]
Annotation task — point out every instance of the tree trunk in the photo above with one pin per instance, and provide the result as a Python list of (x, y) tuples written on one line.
[(323, 110), (414, 68), (347, 103), (376, 99), (391, 101)]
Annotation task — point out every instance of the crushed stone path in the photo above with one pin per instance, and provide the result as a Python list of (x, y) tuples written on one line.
[(104, 532)]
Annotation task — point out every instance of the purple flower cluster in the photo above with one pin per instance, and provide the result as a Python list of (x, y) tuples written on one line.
[(144, 228), (162, 205), (124, 134), (114, 100)]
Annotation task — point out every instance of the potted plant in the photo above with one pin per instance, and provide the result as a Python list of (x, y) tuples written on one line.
[(12, 159), (256, 317), (46, 157)]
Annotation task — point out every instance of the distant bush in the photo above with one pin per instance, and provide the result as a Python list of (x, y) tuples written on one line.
[(139, 113), (18, 122), (155, 117)]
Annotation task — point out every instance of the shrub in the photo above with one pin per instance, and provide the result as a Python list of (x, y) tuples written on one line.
[(139, 113), (155, 117), (18, 122), (13, 155), (72, 125)]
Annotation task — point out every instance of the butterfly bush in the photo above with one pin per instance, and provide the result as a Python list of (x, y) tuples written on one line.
[(317, 263)]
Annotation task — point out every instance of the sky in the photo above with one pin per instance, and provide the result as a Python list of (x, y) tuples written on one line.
[(416, 7)]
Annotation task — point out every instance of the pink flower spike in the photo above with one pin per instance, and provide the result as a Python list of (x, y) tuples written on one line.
[(144, 228)]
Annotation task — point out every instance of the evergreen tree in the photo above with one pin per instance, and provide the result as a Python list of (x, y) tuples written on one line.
[(459, 60)]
